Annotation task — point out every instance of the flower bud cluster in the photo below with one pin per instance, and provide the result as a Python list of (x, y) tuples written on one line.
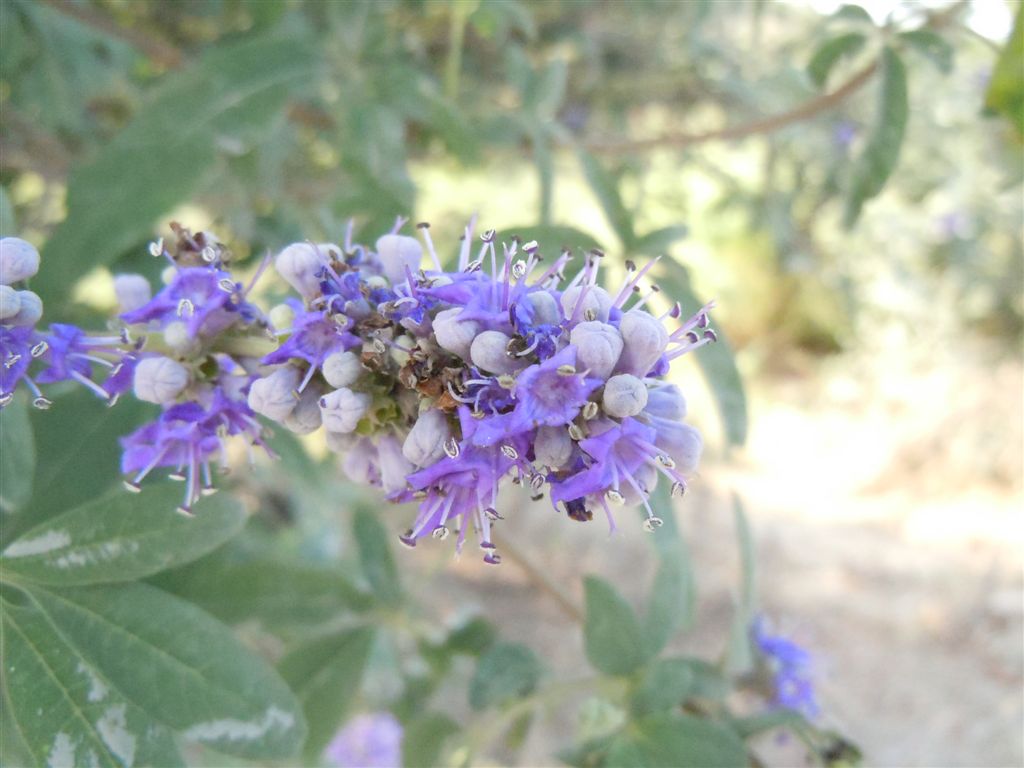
[(438, 385)]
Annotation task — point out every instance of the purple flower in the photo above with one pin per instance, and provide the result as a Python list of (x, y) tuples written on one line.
[(547, 394), (789, 668), (367, 741), (206, 299), (16, 344), (189, 436), (556, 382)]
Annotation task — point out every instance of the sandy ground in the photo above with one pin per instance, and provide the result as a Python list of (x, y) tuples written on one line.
[(889, 541)]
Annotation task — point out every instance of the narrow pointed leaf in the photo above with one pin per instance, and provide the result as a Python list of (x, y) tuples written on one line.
[(375, 557), (613, 638), (65, 711), (122, 536), (326, 675), (880, 155), (830, 53), (180, 666)]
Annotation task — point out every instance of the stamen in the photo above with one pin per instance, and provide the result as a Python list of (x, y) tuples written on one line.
[(39, 349)]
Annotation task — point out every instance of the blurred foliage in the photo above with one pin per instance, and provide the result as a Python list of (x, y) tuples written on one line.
[(825, 177)]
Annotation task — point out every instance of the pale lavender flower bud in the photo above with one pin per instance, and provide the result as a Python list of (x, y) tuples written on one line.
[(397, 252), (10, 304), (598, 346), (552, 446), (425, 443), (342, 409), (596, 304), (358, 457), (30, 309), (159, 380), (299, 264), (341, 369), (179, 339), (645, 340), (273, 396), (665, 401), (545, 308), (132, 291), (682, 443), (281, 317), (624, 395), (305, 417), (489, 353), (394, 467), (19, 260), (454, 335)]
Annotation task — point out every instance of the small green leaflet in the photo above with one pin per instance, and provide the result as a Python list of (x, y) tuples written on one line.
[(830, 53), (878, 159), (507, 670), (612, 634)]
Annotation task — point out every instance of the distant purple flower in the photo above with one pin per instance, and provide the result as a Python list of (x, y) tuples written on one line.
[(367, 741), (843, 133), (790, 668)]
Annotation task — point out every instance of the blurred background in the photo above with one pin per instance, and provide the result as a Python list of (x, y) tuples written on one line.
[(844, 181)]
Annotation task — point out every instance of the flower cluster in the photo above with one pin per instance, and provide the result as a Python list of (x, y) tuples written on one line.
[(60, 353), (200, 341), (788, 669), (437, 385), (372, 740)]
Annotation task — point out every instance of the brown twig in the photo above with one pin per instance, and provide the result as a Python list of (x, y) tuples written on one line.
[(161, 52), (540, 579), (805, 111)]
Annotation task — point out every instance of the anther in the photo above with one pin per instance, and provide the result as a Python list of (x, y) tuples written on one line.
[(11, 361), (575, 432), (510, 452), (487, 545), (207, 490), (176, 476), (408, 539), (566, 370), (710, 335), (440, 533), (614, 496), (493, 514), (451, 447), (488, 236), (5, 399), (185, 307), (666, 461), (39, 349), (209, 254), (678, 489), (42, 403), (651, 524), (226, 285), (518, 269), (493, 558), (590, 410), (590, 314), (132, 487), (156, 248), (506, 381)]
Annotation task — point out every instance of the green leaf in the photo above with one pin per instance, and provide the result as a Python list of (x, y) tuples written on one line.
[(829, 54), (168, 151), (606, 190), (932, 46), (506, 671), (613, 638), (424, 739), (878, 159), (78, 436), (551, 238), (547, 91), (17, 456), (770, 720), (1005, 95), (708, 681), (665, 685), (659, 241), (375, 557), (279, 594), (853, 13), (179, 665), (716, 361), (678, 741), (472, 638), (121, 537), (64, 710), (740, 651), (669, 605), (326, 675)]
